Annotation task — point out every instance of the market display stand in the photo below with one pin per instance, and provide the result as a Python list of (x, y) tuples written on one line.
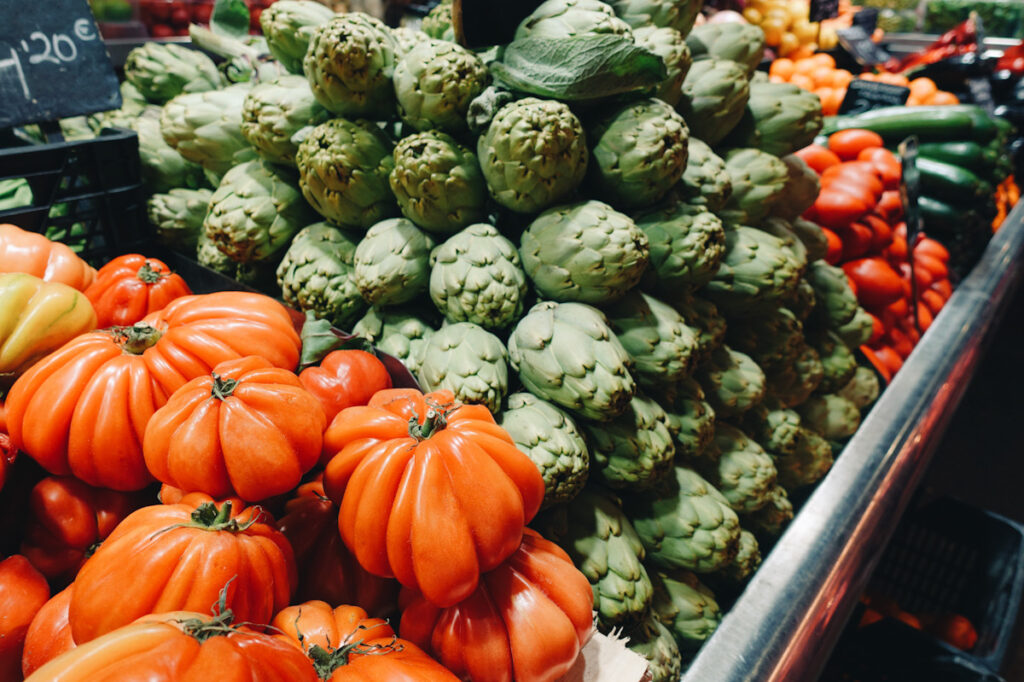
[(787, 621)]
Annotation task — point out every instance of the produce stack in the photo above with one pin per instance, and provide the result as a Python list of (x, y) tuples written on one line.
[(616, 267)]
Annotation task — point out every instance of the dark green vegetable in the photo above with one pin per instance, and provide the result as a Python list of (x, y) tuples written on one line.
[(929, 123), (970, 155), (951, 182)]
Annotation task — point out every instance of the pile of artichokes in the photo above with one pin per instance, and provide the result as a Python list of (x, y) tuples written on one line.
[(628, 285)]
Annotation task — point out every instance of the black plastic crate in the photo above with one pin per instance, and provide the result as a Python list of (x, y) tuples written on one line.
[(86, 193)]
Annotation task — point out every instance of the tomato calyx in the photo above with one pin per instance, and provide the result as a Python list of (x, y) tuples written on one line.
[(326, 661), (207, 517), (148, 274), (137, 338), (221, 623), (223, 388)]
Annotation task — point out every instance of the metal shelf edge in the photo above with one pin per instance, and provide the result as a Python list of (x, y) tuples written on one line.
[(786, 622)]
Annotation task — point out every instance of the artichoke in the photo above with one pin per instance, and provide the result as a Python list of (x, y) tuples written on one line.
[(798, 195), (863, 389), (655, 642), (567, 353), (408, 38), (792, 384), (392, 263), (675, 14), (739, 42), (206, 127), (635, 450), (685, 606), (568, 18), (476, 276), (316, 274), (837, 360), (705, 180), (757, 270), (773, 338), (438, 22), (255, 211), (208, 255), (801, 301), (702, 315), (584, 252), (831, 416), (783, 229), (691, 419), (343, 169), (769, 521), (288, 26), (747, 560), (713, 98), (276, 111), (160, 71), (859, 330), (163, 168), (669, 44), (533, 155), (758, 181), (741, 470), (469, 361), (177, 217), (686, 523), (663, 348), (778, 430), (638, 153), (434, 84), (350, 63), (687, 243), (808, 463), (437, 182), (601, 542), (811, 234), (396, 332), (835, 303), (551, 439), (780, 119), (256, 275), (732, 381)]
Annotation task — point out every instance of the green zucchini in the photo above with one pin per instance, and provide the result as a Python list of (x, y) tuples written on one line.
[(942, 217), (951, 182), (929, 123), (965, 154)]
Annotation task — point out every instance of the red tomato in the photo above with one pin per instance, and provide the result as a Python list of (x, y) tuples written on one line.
[(896, 252), (857, 238), (345, 378), (132, 286), (930, 247), (924, 316), (933, 300), (834, 254), (23, 591), (49, 634), (877, 330), (890, 206), (878, 285), (847, 144), (876, 362), (886, 164), (881, 232), (889, 358), (935, 267), (956, 630), (818, 158), (944, 288)]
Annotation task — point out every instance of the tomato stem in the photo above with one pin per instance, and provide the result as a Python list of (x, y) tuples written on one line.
[(137, 338), (326, 661), (148, 274), (207, 517), (223, 388)]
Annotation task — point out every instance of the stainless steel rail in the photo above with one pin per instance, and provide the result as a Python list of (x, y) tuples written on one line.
[(785, 624)]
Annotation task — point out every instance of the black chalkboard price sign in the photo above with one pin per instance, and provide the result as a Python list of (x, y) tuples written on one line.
[(857, 42), (53, 63), (862, 95)]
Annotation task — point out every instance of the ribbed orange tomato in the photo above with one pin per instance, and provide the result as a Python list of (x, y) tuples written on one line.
[(49, 634), (132, 286), (23, 251)]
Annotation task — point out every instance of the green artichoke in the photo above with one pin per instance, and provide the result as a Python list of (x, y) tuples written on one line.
[(757, 270), (397, 332), (533, 155), (663, 348), (686, 606), (792, 384), (863, 389), (739, 42), (702, 315), (163, 168), (837, 360), (601, 542), (206, 127), (780, 119), (133, 105), (705, 180), (256, 275), (807, 464), (434, 84), (772, 338), (741, 470), (160, 71), (669, 44), (687, 243), (732, 381), (686, 523), (859, 330), (350, 63), (316, 274), (778, 430), (769, 521), (567, 353), (408, 38), (551, 439), (476, 276), (713, 98), (276, 111), (811, 234), (568, 18), (758, 181), (392, 263), (437, 182), (783, 229), (438, 22), (177, 217), (584, 252), (469, 361), (288, 26), (831, 416), (209, 255), (835, 303), (747, 560), (676, 14), (255, 211), (691, 419), (798, 195), (343, 169), (655, 642), (801, 301), (638, 153), (635, 450)]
